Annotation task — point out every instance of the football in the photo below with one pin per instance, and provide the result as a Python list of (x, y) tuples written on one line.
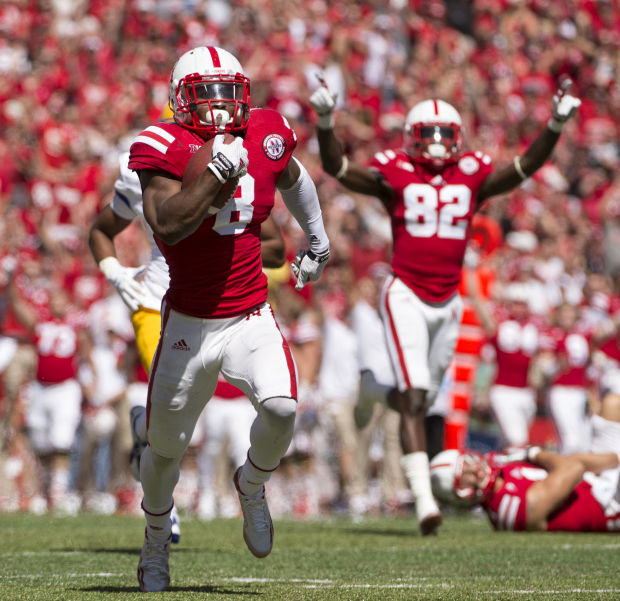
[(198, 163)]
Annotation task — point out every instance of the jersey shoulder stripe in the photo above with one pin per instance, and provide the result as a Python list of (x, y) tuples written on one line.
[(156, 137), (385, 156)]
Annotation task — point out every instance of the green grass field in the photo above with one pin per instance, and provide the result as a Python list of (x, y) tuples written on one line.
[(94, 558)]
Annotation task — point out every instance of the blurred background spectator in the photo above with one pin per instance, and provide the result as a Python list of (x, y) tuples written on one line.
[(79, 78)]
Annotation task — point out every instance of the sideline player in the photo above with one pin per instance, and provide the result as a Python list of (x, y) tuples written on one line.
[(215, 315), (431, 190), (536, 489)]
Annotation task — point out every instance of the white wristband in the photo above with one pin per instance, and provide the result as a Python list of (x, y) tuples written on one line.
[(532, 452), (326, 121), (555, 126), (517, 163), (343, 168), (109, 266)]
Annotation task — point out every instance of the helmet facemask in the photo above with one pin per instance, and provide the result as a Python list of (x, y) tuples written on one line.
[(473, 478), (435, 143), (462, 478), (213, 104)]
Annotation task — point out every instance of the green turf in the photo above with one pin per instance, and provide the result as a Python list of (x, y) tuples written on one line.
[(94, 558)]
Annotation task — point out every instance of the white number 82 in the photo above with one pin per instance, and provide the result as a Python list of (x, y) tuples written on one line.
[(424, 218)]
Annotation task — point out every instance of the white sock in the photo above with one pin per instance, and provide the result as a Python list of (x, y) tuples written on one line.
[(158, 524), (252, 478), (419, 478)]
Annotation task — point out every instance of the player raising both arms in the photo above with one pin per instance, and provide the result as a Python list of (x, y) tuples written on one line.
[(215, 315), (431, 189)]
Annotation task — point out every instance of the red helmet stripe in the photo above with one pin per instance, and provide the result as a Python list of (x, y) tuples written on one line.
[(215, 57), (436, 107), (438, 465)]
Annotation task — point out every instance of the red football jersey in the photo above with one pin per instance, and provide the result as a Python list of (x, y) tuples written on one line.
[(226, 391), (57, 345), (507, 507), (573, 348), (217, 272), (431, 219), (515, 343)]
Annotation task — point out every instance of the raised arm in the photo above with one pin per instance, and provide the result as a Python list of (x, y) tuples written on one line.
[(564, 106), (353, 176), (472, 287), (22, 309)]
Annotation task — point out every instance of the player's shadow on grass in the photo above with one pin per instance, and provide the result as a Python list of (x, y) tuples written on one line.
[(125, 550), (173, 589), (378, 532)]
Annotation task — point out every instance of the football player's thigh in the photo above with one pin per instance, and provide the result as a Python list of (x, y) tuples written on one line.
[(605, 436), (147, 326), (37, 417), (258, 359), (180, 385), (65, 402), (444, 339), (407, 338)]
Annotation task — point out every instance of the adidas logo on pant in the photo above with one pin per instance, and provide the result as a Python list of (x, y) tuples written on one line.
[(181, 345)]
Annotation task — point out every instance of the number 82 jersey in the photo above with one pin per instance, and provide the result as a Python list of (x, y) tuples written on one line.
[(431, 218)]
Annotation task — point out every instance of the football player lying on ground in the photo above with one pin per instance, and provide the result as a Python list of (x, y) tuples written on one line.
[(536, 489)]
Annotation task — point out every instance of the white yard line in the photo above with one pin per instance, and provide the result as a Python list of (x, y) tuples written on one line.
[(552, 592), (596, 547), (310, 583), (60, 576)]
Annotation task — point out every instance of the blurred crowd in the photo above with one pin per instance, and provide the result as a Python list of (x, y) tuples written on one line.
[(80, 78)]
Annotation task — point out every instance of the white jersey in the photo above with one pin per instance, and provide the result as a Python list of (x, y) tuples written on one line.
[(127, 203)]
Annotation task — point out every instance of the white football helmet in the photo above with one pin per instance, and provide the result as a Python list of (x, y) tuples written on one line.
[(209, 93), (462, 478), (433, 133)]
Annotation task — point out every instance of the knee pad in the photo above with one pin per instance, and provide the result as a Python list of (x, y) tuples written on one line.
[(170, 447), (279, 409)]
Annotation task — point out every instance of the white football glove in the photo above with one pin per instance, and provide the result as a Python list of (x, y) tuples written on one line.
[(563, 107), (324, 102), (308, 267), (228, 160), (132, 291)]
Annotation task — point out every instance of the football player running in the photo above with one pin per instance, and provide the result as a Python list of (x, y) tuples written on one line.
[(142, 288), (215, 315), (536, 489), (431, 189)]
